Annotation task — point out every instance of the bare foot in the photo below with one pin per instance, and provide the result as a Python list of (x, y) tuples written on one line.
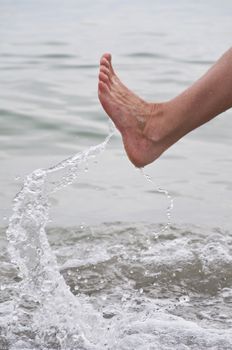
[(130, 114)]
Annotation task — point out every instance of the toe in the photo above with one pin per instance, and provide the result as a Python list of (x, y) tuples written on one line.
[(104, 62), (104, 70), (104, 78), (103, 88), (109, 59), (107, 56)]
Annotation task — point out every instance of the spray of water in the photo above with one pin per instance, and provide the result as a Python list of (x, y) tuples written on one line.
[(169, 199), (44, 309)]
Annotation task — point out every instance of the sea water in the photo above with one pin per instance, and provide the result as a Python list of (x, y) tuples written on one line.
[(100, 276)]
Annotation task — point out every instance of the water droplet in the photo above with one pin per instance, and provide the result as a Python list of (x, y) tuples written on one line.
[(82, 226), (76, 287), (39, 251), (184, 299), (141, 290)]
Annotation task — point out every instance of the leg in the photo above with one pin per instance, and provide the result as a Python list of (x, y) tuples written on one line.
[(148, 129)]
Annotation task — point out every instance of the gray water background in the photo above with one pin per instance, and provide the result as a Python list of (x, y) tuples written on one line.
[(49, 56)]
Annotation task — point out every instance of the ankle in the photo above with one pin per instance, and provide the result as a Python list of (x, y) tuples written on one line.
[(156, 129)]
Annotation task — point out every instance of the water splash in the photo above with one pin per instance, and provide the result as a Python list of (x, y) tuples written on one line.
[(44, 311), (169, 198), (44, 308)]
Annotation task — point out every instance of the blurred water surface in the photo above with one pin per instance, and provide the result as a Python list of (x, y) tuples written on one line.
[(168, 293)]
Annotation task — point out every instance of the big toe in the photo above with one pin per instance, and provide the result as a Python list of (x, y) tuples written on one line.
[(107, 56), (107, 61)]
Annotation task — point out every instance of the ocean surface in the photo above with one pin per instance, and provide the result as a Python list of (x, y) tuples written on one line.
[(92, 254)]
